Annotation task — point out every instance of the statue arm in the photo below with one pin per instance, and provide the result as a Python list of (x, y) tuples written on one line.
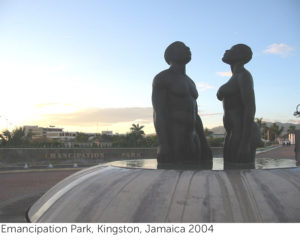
[(248, 99), (205, 150), (159, 95)]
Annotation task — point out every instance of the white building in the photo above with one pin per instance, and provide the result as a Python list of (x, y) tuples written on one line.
[(39, 132), (108, 132), (68, 138), (61, 135), (292, 139)]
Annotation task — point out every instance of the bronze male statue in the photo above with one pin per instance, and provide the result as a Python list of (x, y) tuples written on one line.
[(178, 126), (242, 133)]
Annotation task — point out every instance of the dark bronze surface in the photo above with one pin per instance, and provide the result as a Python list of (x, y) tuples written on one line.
[(237, 95), (177, 123)]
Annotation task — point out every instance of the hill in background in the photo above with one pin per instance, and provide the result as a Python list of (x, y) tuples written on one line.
[(221, 130)]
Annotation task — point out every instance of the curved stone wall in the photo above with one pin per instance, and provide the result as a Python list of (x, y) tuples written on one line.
[(43, 156)]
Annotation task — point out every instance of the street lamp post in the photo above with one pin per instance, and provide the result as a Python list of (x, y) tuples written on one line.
[(297, 112)]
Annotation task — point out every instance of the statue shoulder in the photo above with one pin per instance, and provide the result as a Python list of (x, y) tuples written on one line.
[(191, 82), (245, 78), (162, 78)]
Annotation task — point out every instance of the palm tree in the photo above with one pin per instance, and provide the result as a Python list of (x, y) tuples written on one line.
[(136, 136), (265, 131), (137, 129), (291, 129), (275, 131), (259, 122)]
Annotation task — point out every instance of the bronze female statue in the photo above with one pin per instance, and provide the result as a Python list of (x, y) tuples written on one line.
[(242, 133)]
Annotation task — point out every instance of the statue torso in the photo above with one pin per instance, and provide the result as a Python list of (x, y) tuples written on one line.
[(233, 101), (181, 98)]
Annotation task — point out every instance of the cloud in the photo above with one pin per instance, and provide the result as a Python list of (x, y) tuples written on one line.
[(204, 86), (210, 114), (43, 105), (91, 116), (279, 49), (224, 73)]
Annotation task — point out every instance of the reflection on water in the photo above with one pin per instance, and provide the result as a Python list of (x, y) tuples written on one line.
[(260, 163), (269, 163)]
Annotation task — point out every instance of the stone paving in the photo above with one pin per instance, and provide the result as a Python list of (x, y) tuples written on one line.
[(19, 190), (282, 152)]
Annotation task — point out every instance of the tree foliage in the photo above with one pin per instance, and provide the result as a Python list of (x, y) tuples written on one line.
[(272, 132), (291, 129), (15, 137), (208, 133), (215, 142), (81, 137), (135, 138), (275, 131)]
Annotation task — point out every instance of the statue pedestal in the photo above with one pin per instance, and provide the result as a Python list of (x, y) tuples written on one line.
[(105, 194), (228, 165)]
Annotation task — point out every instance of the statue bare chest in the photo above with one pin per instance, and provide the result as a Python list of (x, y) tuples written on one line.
[(183, 87)]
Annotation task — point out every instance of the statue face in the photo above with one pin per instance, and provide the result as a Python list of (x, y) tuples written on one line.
[(183, 54), (238, 53), (231, 56), (180, 53)]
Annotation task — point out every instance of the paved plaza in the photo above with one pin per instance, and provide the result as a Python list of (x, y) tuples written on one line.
[(19, 190), (282, 152)]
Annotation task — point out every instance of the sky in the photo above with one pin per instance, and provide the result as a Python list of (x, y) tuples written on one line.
[(89, 65)]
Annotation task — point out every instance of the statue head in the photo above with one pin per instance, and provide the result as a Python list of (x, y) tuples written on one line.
[(239, 53), (178, 53)]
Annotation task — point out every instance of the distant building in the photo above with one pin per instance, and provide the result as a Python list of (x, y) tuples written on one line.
[(214, 135), (292, 139), (67, 138), (39, 132), (107, 132), (61, 135), (35, 131)]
